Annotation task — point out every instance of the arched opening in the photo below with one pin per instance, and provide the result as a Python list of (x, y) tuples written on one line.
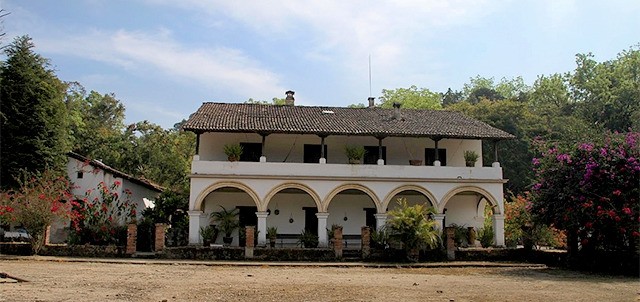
[(292, 208), (229, 198), (352, 207), (470, 207), (413, 194)]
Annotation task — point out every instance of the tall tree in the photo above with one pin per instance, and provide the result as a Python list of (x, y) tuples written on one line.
[(608, 93), (33, 117), (411, 97)]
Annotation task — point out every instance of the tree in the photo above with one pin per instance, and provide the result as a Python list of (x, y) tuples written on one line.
[(97, 124), (33, 116), (40, 200), (513, 117), (591, 191), (608, 93), (411, 97)]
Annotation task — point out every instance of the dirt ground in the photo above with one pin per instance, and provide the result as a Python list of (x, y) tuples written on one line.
[(82, 281)]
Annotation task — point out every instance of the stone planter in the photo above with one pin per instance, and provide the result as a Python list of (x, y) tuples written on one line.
[(415, 162)]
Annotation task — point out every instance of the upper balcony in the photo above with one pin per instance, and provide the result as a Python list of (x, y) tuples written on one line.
[(343, 171)]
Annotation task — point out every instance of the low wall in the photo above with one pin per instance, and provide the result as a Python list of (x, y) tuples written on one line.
[(95, 251)]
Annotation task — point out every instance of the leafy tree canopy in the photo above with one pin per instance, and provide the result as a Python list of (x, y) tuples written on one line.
[(411, 97)]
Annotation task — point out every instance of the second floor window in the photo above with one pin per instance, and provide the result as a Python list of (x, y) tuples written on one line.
[(430, 156), (312, 153), (251, 152), (371, 157)]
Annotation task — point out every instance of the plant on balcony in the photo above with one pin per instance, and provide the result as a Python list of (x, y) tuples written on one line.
[(227, 223), (233, 151), (272, 234), (470, 158), (308, 239), (355, 153)]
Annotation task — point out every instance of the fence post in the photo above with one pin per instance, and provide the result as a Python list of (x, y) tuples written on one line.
[(366, 242), (159, 237), (451, 245), (132, 238), (337, 244), (249, 241)]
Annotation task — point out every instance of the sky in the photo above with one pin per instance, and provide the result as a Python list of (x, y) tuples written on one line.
[(164, 58)]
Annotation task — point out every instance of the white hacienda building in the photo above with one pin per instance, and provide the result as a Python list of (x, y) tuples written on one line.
[(294, 174)]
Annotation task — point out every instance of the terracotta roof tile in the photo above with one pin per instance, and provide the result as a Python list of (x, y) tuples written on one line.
[(237, 117)]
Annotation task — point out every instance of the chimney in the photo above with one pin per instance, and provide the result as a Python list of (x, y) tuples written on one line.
[(289, 100), (396, 111), (372, 102)]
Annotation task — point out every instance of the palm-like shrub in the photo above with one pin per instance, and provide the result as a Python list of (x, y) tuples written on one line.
[(411, 226)]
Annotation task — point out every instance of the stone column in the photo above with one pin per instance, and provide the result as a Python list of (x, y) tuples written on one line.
[(366, 242), (381, 220), (337, 244), (159, 237), (439, 220), (451, 244), (132, 238), (47, 235), (262, 227), (249, 240), (322, 229), (194, 227), (498, 229)]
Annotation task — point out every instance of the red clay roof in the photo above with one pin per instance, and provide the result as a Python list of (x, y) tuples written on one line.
[(379, 122)]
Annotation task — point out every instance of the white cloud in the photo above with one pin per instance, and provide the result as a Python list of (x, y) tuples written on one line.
[(217, 68), (345, 33)]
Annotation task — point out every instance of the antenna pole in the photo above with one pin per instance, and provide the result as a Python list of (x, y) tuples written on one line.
[(369, 74)]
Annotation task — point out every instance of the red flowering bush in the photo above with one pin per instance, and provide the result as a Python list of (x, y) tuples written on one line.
[(520, 228), (38, 202), (592, 192), (100, 220)]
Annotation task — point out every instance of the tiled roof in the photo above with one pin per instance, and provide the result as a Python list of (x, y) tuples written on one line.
[(98, 164), (237, 117)]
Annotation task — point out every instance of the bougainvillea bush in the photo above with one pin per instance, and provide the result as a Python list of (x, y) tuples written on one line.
[(40, 200), (592, 192), (101, 220)]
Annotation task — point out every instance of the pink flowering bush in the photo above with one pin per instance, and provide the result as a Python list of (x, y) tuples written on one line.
[(592, 192), (101, 220), (38, 202)]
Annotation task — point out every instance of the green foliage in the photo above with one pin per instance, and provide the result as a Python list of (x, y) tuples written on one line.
[(470, 156), (233, 151), (226, 220), (208, 234), (380, 238), (100, 217), (272, 232), (486, 233), (411, 226), (354, 152), (460, 235), (39, 200), (308, 239), (411, 97), (591, 191), (32, 115), (608, 93)]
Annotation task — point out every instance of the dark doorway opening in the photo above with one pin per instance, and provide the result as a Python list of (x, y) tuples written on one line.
[(311, 220)]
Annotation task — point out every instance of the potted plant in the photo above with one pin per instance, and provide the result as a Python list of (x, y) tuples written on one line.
[(355, 153), (209, 234), (308, 239), (227, 223), (470, 158), (233, 151), (272, 234)]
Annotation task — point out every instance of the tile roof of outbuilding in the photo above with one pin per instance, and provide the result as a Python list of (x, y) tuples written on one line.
[(380, 122)]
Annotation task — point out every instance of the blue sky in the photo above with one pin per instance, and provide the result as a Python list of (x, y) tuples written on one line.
[(163, 58)]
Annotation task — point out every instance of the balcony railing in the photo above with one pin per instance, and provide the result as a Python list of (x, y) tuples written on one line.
[(303, 170)]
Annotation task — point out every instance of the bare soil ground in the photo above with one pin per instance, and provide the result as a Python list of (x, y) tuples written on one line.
[(84, 281)]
